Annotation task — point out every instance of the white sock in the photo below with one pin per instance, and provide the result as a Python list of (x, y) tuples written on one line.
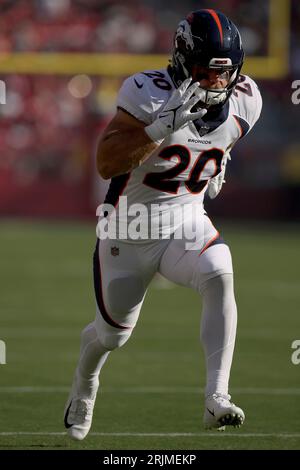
[(218, 330), (91, 359)]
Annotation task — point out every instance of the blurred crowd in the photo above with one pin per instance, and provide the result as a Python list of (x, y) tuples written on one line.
[(115, 26), (49, 124)]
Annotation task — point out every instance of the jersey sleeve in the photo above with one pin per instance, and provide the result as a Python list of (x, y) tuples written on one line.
[(134, 97), (247, 104)]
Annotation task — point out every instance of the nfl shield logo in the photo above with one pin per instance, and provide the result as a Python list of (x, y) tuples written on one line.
[(203, 130), (114, 251)]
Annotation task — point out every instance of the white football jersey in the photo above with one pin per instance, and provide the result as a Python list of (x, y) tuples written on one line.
[(178, 171)]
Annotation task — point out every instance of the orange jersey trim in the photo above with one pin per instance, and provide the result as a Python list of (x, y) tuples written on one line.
[(209, 243)]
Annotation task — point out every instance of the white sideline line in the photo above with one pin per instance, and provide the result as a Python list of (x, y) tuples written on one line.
[(158, 434), (162, 390)]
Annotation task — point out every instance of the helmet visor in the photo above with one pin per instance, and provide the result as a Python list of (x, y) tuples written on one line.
[(212, 77)]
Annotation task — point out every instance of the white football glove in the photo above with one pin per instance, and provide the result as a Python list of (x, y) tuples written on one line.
[(215, 184), (176, 112)]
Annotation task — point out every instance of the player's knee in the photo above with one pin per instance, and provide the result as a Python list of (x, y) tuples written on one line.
[(221, 285), (114, 340), (218, 295), (109, 336), (124, 294)]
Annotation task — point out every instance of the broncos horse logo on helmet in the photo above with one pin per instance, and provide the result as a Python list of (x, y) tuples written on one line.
[(207, 38)]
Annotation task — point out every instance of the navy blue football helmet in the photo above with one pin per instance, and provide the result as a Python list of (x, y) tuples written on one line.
[(207, 38)]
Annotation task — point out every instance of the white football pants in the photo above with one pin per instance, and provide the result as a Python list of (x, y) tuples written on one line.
[(122, 273)]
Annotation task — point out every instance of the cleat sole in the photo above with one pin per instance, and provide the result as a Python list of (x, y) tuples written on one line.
[(231, 420)]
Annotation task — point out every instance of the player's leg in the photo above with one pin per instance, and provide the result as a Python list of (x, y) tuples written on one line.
[(218, 332), (209, 271), (121, 277)]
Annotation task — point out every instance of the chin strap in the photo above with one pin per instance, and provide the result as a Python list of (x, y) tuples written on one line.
[(212, 97)]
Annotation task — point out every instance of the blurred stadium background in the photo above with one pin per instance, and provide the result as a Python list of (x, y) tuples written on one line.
[(62, 62)]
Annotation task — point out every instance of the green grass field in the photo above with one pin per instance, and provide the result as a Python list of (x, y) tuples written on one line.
[(152, 388)]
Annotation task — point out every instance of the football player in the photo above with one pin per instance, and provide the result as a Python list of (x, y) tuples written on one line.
[(169, 143)]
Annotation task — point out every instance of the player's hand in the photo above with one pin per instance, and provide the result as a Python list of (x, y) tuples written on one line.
[(215, 184), (176, 112)]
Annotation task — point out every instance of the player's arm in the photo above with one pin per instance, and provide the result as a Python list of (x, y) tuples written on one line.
[(128, 142), (215, 184), (123, 146), (247, 105)]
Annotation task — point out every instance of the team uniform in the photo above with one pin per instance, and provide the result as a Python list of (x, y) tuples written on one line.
[(124, 268), (195, 125)]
